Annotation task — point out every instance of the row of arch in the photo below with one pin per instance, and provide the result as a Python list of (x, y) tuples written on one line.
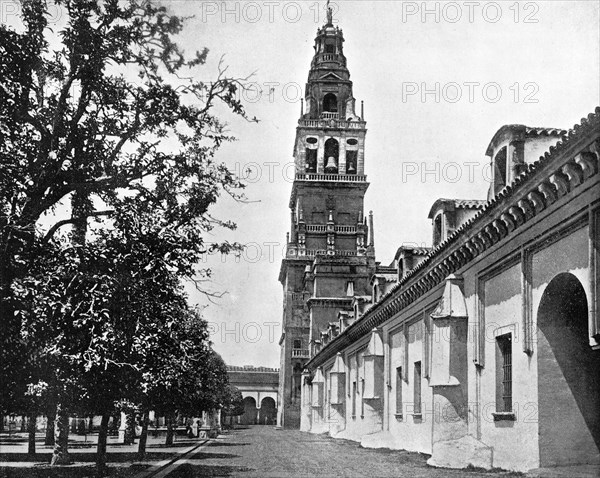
[(265, 415), (332, 156)]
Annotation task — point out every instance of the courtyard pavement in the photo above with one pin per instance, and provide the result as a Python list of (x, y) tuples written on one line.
[(254, 452), (263, 451)]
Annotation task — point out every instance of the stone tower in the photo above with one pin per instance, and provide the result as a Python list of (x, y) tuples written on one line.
[(330, 255)]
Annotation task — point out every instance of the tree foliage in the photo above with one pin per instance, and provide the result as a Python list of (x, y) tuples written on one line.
[(107, 114)]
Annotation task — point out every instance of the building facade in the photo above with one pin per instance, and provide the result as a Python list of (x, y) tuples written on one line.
[(330, 255), (259, 387), (485, 350)]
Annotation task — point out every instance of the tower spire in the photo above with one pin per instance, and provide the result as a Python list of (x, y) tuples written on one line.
[(329, 15)]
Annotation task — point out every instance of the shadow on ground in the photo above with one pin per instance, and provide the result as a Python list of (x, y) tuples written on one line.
[(73, 471), (195, 471), (216, 444), (83, 457), (209, 456)]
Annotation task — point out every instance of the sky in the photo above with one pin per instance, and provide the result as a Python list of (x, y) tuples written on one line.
[(437, 83), (438, 79)]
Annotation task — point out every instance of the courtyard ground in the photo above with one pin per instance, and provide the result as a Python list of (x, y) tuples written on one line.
[(255, 452)]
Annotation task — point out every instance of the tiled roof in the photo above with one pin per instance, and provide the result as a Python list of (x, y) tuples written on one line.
[(251, 375), (417, 251), (458, 204), (528, 131), (264, 378), (387, 277)]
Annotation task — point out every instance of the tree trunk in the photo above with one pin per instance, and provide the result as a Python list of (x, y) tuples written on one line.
[(170, 419), (50, 417), (31, 429), (61, 437), (101, 450), (129, 429), (143, 435), (91, 425)]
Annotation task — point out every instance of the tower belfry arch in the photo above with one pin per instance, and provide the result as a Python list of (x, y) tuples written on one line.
[(329, 252)]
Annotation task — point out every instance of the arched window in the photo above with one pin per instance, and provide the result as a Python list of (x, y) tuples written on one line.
[(330, 103), (332, 153), (351, 160), (311, 155)]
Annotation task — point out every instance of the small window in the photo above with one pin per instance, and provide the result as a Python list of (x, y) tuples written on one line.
[(329, 48), (354, 392), (297, 343), (311, 140), (399, 391), (504, 373), (417, 389), (352, 142), (362, 400)]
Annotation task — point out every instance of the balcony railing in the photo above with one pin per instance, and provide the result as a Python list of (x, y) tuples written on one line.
[(326, 115), (295, 251), (319, 228), (300, 353), (316, 228), (332, 123), (329, 57), (352, 178)]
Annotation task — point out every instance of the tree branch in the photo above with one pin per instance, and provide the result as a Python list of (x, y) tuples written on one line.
[(73, 220)]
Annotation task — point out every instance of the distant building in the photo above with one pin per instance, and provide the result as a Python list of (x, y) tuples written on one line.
[(483, 350), (259, 387)]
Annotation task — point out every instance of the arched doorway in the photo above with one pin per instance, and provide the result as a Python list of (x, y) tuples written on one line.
[(568, 377), (268, 412), (250, 412)]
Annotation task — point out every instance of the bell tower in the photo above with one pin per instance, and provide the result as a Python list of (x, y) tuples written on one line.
[(330, 254)]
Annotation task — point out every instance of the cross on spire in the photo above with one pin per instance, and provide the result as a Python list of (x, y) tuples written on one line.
[(329, 14)]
